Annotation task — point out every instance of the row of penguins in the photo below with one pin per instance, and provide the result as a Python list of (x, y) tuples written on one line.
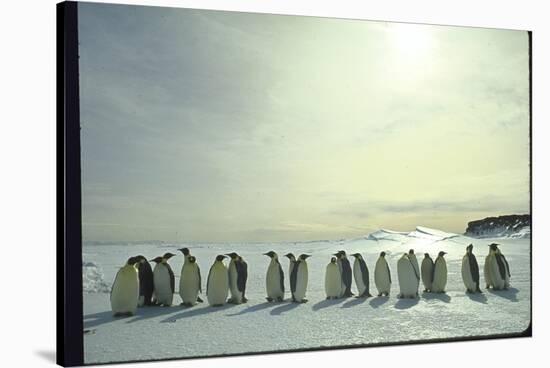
[(137, 285)]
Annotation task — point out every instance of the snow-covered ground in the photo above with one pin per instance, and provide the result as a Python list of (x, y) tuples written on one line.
[(258, 326)]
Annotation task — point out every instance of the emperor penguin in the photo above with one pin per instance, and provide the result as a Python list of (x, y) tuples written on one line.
[(440, 274), (333, 280), (274, 279), (146, 285), (487, 269), (125, 290), (361, 276), (407, 277), (470, 271), (163, 278), (498, 268), (291, 264), (190, 282), (427, 270), (298, 279), (238, 274), (414, 262), (186, 254), (217, 284), (345, 270), (382, 275)]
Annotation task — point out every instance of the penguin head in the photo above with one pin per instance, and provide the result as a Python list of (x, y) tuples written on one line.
[(338, 254), (290, 256), (271, 254), (469, 248), (333, 260), (141, 259), (303, 257), (156, 259), (132, 261), (220, 257), (167, 256), (493, 247), (382, 254), (192, 259), (426, 255), (411, 251), (342, 253), (405, 255), (357, 255), (232, 255), (441, 254), (185, 251)]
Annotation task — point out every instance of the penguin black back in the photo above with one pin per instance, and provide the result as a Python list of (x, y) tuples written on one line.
[(346, 273), (146, 285), (242, 274), (364, 274), (294, 277), (474, 267)]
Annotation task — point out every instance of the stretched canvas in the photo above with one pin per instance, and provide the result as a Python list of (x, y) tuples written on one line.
[(239, 183)]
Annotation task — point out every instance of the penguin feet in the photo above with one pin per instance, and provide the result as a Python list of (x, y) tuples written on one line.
[(269, 299), (303, 301), (399, 296), (280, 299), (245, 300), (199, 300)]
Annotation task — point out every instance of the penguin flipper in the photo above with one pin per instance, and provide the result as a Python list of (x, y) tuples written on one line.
[(501, 266), (242, 275), (474, 268), (293, 278), (389, 273), (208, 280), (281, 278), (200, 279), (172, 278), (507, 265), (364, 274)]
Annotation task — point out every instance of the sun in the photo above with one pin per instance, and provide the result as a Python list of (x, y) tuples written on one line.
[(413, 42)]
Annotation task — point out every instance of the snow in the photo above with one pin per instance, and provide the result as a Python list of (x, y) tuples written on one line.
[(92, 279), (258, 326)]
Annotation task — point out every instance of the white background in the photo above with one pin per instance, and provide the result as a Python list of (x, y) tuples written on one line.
[(27, 181)]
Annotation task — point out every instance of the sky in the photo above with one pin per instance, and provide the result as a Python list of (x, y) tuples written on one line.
[(237, 127)]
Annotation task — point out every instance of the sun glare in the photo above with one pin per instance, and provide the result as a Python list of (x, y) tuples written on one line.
[(411, 41)]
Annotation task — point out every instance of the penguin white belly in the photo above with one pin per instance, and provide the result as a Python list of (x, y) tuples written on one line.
[(301, 281), (189, 284), (218, 285), (467, 275), (487, 271), (407, 278), (333, 281), (497, 281), (427, 273), (273, 282), (382, 277), (161, 280), (358, 277), (440, 276), (125, 292)]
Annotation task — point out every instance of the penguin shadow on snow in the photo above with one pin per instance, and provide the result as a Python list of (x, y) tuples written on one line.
[(327, 303), (353, 302), (406, 303), (284, 308), (194, 311), (255, 308), (153, 312), (444, 297), (477, 297), (97, 319), (378, 301), (510, 294)]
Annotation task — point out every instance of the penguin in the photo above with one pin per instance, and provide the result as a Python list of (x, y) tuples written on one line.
[(333, 280), (164, 281), (236, 273), (470, 271), (407, 277), (487, 269), (217, 283), (427, 270), (125, 291), (498, 268), (361, 276), (242, 277), (440, 274), (146, 285), (345, 270), (298, 279), (382, 275), (190, 282), (414, 261), (274, 279), (186, 255), (291, 264)]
